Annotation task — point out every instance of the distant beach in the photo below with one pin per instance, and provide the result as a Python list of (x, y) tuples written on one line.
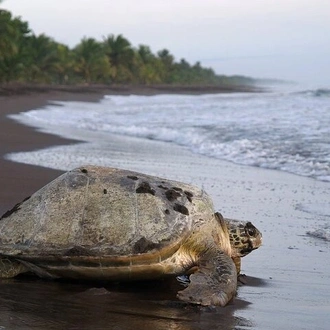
[(287, 278)]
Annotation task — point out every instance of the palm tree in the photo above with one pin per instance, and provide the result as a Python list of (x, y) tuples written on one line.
[(13, 31), (6, 43), (42, 52), (166, 57), (121, 56), (27, 57), (64, 66), (91, 62), (167, 61), (145, 54), (148, 66)]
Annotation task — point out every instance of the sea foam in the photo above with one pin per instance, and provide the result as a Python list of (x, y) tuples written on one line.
[(283, 131)]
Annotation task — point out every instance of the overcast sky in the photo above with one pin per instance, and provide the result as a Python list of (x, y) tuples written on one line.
[(287, 39)]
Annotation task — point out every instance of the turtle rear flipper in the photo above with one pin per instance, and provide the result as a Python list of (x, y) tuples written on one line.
[(214, 283), (10, 268)]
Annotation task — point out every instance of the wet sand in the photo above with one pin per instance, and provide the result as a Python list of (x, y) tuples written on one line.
[(287, 278)]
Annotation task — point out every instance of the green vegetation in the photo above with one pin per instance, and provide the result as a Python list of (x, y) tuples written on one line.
[(29, 58)]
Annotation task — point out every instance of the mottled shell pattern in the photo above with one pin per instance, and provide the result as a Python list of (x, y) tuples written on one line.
[(97, 211)]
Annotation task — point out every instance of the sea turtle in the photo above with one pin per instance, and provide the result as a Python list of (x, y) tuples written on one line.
[(100, 223)]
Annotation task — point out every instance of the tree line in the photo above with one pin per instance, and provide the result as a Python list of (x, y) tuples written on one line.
[(29, 58)]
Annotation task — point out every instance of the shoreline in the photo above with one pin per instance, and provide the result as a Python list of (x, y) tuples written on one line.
[(24, 179), (13, 89), (287, 278), (21, 180)]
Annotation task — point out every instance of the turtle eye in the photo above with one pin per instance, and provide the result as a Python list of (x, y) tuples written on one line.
[(250, 229)]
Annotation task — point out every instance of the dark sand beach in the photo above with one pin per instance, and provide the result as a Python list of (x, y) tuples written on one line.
[(287, 278), (19, 181)]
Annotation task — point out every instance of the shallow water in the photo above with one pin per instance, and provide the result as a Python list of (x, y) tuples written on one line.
[(294, 128), (287, 131)]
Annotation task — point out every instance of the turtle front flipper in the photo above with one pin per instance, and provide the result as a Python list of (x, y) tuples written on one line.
[(214, 283), (10, 268), (237, 262)]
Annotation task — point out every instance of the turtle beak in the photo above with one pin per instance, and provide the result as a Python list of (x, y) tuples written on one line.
[(257, 242)]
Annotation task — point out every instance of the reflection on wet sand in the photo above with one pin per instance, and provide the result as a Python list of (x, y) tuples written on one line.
[(32, 303)]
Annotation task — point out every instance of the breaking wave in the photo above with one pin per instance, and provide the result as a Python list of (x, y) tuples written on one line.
[(282, 130)]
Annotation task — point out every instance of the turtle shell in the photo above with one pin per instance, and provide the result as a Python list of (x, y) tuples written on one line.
[(98, 211)]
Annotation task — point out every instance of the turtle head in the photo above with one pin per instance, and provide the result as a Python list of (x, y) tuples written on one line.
[(244, 237)]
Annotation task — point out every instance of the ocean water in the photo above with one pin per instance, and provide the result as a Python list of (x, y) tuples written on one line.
[(282, 130), (286, 131)]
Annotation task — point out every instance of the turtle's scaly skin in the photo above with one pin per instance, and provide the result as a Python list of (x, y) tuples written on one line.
[(109, 224)]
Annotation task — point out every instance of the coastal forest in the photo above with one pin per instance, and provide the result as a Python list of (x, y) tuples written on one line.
[(29, 58)]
